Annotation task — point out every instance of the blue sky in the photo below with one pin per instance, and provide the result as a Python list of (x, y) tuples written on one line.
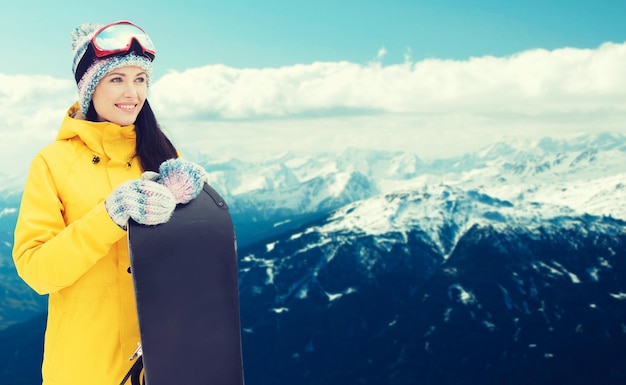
[(243, 79), (274, 33)]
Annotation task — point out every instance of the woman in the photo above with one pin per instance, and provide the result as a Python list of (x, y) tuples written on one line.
[(70, 239)]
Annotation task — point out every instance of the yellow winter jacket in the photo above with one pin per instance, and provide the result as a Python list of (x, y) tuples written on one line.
[(67, 246)]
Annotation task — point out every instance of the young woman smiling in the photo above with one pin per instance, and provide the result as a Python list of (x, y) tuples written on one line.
[(70, 238)]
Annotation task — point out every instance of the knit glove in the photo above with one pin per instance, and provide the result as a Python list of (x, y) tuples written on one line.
[(183, 178), (145, 201)]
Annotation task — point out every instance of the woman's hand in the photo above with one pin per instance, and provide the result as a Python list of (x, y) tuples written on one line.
[(145, 201), (183, 178)]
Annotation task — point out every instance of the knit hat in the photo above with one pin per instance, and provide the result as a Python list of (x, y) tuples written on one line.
[(89, 69)]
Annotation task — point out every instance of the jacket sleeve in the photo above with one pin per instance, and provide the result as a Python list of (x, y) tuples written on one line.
[(48, 254)]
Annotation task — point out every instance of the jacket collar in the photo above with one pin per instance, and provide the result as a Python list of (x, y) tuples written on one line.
[(102, 138)]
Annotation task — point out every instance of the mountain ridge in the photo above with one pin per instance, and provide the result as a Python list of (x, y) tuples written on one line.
[(501, 266), (505, 296)]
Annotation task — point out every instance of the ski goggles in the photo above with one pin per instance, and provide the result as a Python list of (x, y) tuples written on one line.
[(117, 39)]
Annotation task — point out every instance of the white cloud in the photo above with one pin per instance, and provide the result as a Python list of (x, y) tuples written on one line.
[(536, 82), (31, 108), (432, 107), (381, 53)]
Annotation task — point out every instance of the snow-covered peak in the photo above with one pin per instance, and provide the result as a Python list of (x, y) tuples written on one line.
[(539, 147), (583, 174), (442, 212)]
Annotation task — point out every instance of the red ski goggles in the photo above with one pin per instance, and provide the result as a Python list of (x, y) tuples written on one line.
[(117, 38)]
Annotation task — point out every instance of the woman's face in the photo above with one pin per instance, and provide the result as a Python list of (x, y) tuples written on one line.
[(120, 95)]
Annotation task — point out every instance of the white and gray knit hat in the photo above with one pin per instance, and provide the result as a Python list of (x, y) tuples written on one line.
[(89, 70)]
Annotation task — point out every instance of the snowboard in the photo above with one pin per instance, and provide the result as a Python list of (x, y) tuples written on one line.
[(186, 287)]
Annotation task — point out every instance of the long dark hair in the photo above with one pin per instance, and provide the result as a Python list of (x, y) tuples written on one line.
[(152, 145)]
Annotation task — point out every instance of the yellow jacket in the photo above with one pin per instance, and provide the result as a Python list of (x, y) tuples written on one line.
[(67, 246)]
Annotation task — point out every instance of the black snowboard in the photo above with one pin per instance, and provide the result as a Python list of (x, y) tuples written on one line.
[(186, 286)]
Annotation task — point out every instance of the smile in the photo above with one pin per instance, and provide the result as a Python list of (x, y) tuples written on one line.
[(126, 107)]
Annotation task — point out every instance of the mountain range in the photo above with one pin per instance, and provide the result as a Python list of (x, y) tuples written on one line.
[(498, 302), (585, 174), (501, 266)]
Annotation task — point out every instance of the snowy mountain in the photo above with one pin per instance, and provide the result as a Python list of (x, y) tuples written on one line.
[(506, 266), (440, 285), (502, 266), (584, 174), (587, 173)]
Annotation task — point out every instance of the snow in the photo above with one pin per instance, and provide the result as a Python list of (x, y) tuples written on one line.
[(464, 296), (8, 211), (270, 246), (489, 325), (267, 263), (270, 275), (523, 183), (520, 183), (302, 293), (277, 224), (335, 296), (573, 277)]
